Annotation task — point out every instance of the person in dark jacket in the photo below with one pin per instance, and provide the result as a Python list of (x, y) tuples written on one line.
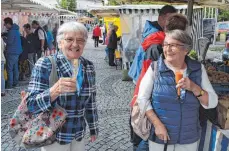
[(23, 63), (41, 39), (112, 45), (54, 33), (30, 46), (13, 50)]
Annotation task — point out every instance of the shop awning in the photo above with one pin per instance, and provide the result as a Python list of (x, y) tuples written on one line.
[(222, 4), (26, 5), (122, 9), (114, 10), (104, 11), (66, 12)]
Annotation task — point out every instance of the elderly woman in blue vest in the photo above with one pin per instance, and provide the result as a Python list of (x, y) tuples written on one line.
[(75, 95), (175, 120)]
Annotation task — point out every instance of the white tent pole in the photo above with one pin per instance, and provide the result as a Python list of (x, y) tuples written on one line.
[(212, 16), (205, 12), (209, 12), (216, 20)]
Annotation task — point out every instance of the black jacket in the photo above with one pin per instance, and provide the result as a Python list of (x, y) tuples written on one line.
[(37, 42), (24, 55), (112, 43), (29, 45)]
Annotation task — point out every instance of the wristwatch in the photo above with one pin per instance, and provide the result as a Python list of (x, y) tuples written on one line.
[(201, 93)]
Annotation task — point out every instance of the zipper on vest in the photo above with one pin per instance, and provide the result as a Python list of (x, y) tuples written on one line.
[(180, 122)]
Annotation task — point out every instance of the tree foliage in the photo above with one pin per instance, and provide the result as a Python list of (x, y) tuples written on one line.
[(68, 4), (72, 5), (223, 15), (63, 4)]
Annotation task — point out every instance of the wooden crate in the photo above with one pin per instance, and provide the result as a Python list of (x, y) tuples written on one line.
[(223, 113)]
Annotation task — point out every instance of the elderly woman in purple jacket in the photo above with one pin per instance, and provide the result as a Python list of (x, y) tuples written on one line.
[(174, 119)]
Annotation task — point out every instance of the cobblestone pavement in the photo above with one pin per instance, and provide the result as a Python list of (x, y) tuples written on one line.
[(113, 97)]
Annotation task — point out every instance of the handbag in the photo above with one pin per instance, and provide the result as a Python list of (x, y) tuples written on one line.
[(33, 131), (100, 41), (140, 123)]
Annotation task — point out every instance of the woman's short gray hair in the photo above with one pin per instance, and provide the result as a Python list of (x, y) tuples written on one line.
[(71, 27), (181, 36)]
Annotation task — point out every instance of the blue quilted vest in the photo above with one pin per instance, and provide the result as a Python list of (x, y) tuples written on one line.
[(180, 116)]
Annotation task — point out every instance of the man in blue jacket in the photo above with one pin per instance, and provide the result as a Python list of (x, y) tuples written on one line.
[(13, 50)]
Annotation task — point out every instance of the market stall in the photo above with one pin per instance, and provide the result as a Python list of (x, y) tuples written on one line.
[(66, 15), (24, 11), (86, 20), (132, 19), (213, 138)]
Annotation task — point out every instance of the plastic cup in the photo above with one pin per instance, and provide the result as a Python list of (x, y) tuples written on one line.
[(178, 76)]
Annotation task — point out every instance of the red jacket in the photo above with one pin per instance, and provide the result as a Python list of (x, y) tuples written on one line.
[(153, 39), (97, 31)]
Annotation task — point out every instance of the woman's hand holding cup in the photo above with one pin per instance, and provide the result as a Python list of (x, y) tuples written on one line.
[(63, 85)]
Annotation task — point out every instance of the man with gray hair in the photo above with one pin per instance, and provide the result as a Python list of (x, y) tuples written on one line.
[(41, 38)]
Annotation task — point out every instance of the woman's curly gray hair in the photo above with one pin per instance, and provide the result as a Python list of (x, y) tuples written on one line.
[(71, 27), (181, 36)]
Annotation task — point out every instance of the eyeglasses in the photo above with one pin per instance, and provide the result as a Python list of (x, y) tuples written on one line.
[(78, 41), (172, 46)]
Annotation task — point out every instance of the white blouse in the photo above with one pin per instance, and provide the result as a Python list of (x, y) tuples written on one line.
[(146, 87)]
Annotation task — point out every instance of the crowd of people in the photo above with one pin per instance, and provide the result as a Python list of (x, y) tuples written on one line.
[(22, 50), (109, 38)]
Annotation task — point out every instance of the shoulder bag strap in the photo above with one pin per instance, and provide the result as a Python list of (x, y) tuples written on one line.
[(53, 78)]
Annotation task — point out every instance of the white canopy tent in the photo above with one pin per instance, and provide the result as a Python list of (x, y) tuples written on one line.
[(27, 5), (23, 11)]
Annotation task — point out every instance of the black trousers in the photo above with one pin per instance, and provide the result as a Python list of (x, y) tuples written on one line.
[(39, 55), (111, 56), (96, 40)]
